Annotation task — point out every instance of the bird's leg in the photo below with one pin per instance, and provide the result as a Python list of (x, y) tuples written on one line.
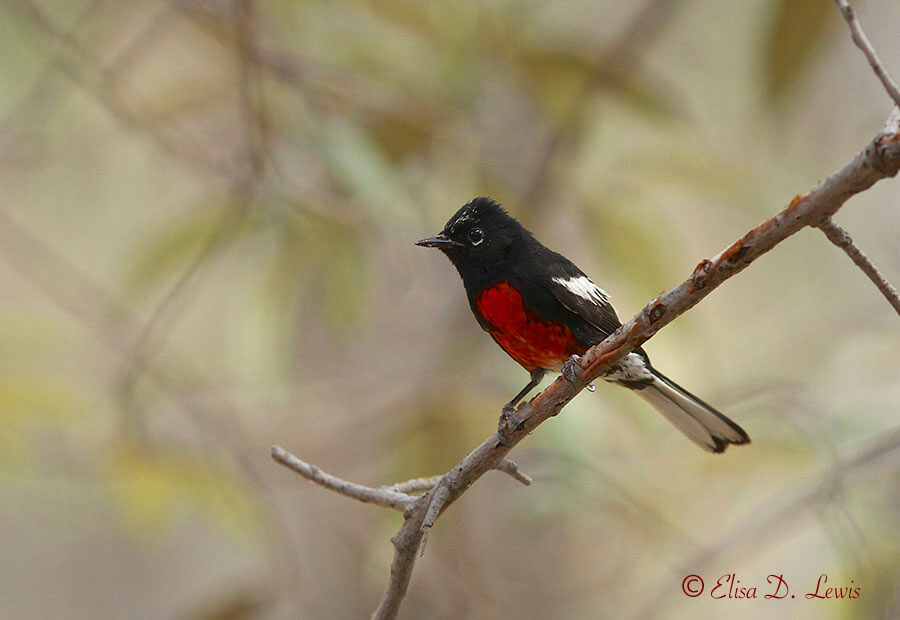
[(571, 369), (508, 413)]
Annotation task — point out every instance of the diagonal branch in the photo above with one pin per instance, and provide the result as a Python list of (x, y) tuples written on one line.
[(862, 42), (842, 239)]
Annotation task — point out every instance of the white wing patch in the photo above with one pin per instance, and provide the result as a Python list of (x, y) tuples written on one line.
[(584, 288)]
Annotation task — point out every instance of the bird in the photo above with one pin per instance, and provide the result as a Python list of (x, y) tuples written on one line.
[(544, 312)]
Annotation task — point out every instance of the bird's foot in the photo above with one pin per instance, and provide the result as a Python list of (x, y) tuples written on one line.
[(571, 369), (507, 417)]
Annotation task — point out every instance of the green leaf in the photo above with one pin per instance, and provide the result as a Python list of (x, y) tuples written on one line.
[(797, 29)]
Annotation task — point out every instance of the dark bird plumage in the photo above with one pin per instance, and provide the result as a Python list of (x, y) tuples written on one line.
[(542, 309)]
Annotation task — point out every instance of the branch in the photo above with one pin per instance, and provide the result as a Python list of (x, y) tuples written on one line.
[(862, 42), (419, 485), (879, 160), (835, 233), (382, 496), (842, 239)]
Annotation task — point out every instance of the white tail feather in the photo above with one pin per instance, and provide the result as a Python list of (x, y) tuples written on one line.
[(702, 424)]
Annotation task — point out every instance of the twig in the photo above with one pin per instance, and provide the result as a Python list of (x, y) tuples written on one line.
[(416, 485), (862, 42), (841, 238), (511, 469), (436, 505), (381, 496)]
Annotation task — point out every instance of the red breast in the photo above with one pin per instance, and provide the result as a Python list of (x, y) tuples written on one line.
[(533, 343)]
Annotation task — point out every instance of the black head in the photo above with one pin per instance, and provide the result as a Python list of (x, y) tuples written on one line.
[(481, 234)]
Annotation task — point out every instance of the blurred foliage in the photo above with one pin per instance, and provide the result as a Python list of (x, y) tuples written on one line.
[(32, 403), (151, 487), (797, 28), (206, 247), (200, 231)]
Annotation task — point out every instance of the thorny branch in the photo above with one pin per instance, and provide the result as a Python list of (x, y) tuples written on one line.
[(879, 160)]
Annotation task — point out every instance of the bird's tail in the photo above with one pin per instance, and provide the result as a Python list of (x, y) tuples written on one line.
[(702, 424)]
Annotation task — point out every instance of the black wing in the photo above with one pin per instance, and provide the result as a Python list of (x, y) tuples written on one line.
[(578, 294)]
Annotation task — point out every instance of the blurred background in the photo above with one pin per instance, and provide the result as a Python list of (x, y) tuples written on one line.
[(207, 217)]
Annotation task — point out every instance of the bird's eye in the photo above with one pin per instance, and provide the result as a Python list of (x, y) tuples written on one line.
[(476, 236)]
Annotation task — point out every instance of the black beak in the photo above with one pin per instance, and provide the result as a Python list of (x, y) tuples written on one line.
[(437, 242)]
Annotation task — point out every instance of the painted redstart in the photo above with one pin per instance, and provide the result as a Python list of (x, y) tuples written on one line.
[(545, 313)]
